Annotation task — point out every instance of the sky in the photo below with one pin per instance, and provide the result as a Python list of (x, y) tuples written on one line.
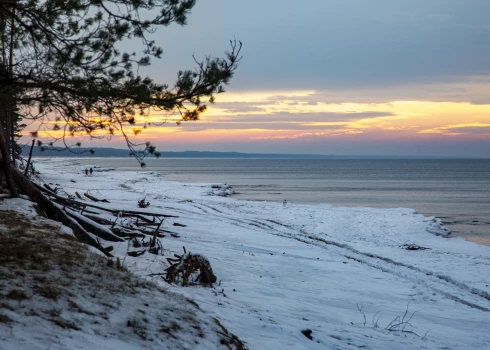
[(345, 77)]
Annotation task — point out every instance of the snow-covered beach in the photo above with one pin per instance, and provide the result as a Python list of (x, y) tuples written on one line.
[(343, 273)]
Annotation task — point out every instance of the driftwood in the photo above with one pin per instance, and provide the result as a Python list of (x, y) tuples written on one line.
[(95, 199), (137, 253), (155, 246), (121, 232), (136, 243), (138, 224), (148, 224), (143, 204), (135, 213), (183, 266), (138, 214), (86, 229), (50, 189), (98, 219), (307, 333), (93, 227), (413, 247), (138, 217), (146, 232)]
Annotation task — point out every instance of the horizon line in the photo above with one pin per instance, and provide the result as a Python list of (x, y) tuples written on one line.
[(251, 154)]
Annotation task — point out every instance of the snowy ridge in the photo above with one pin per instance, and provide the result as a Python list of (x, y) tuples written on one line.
[(283, 268)]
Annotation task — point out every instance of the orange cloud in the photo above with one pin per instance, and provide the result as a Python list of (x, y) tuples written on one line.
[(253, 116)]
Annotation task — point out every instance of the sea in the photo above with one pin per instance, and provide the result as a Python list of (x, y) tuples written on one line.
[(456, 191)]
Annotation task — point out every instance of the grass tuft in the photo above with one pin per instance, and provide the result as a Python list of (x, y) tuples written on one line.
[(49, 291), (65, 324), (171, 329), (17, 294), (5, 319)]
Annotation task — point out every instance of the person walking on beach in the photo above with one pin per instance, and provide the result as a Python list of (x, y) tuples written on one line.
[(91, 171), (86, 172)]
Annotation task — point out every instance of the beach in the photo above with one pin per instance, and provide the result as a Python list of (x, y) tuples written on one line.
[(344, 273), (457, 191)]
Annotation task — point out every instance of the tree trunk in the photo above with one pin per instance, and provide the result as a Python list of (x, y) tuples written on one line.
[(5, 161), (9, 127), (29, 160)]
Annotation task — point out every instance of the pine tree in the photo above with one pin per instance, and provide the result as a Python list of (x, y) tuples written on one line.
[(68, 67), (59, 59)]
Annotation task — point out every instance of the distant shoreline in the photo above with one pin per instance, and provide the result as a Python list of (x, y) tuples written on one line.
[(124, 153)]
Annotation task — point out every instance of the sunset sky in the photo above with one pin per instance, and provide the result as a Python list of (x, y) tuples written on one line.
[(345, 77)]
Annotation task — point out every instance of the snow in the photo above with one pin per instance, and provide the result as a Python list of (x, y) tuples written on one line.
[(75, 300), (20, 205), (283, 268)]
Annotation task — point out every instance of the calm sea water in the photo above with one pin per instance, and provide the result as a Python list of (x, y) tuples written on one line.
[(457, 191)]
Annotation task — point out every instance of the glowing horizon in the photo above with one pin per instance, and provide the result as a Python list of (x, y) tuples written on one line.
[(272, 118)]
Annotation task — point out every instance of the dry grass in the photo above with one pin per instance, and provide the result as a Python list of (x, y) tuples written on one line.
[(32, 243), (38, 262), (65, 324), (49, 275), (17, 294), (171, 328), (49, 291), (230, 340), (5, 319)]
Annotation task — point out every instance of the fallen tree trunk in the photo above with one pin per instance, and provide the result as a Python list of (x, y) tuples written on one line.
[(52, 190), (93, 227), (98, 219), (95, 199), (94, 224), (123, 213), (143, 231), (53, 211), (123, 232), (90, 197)]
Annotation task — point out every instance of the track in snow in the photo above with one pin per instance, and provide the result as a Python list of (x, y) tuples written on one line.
[(437, 283)]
